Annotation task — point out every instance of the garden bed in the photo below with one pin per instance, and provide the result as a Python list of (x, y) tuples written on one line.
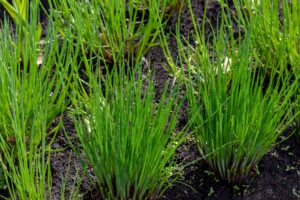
[(277, 175)]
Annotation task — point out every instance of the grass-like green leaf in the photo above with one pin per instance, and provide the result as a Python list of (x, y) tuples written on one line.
[(237, 109), (129, 139), (33, 89), (113, 29), (238, 115), (274, 27), (19, 12)]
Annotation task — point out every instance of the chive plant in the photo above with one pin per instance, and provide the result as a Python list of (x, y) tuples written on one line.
[(274, 26), (128, 138), (33, 89), (114, 29), (236, 121), (235, 116)]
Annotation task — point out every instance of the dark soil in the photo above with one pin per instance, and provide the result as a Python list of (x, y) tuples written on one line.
[(277, 176)]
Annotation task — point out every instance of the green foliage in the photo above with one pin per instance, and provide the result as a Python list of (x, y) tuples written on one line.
[(114, 29), (19, 11), (128, 138), (237, 109), (240, 91), (25, 84), (274, 26), (237, 115), (33, 89)]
